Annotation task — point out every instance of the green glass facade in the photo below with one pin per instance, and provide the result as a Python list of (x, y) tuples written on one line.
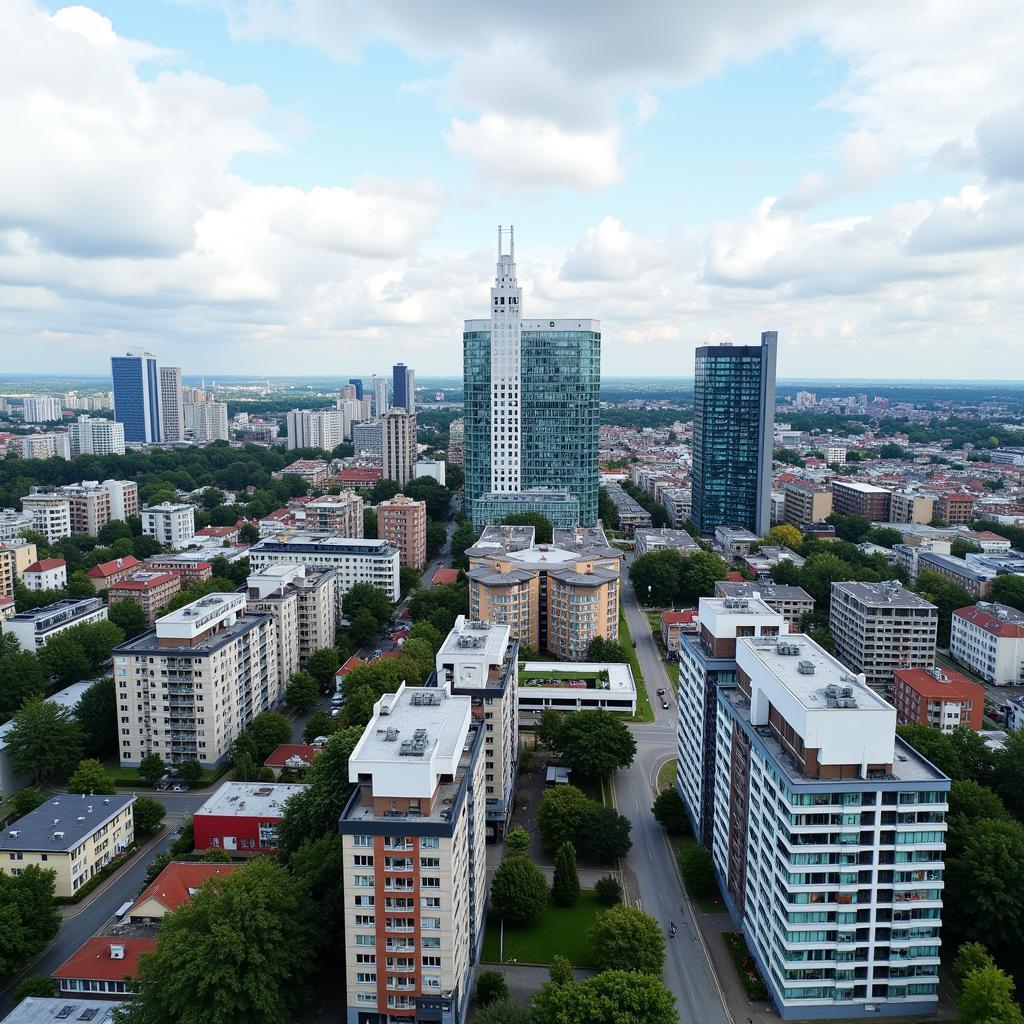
[(560, 381)]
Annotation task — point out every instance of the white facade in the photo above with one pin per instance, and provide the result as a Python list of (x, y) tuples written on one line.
[(124, 498), (51, 515), (46, 446), (41, 409), (49, 574), (171, 405), (988, 639), (617, 693), (96, 437), (170, 524), (380, 396), (13, 522), (321, 428), (33, 628), (206, 421), (506, 368), (398, 445), (357, 560), (433, 468)]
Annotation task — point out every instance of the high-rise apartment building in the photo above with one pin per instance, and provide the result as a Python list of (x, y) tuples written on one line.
[(368, 437), (169, 523), (707, 660), (989, 640), (911, 507), (206, 421), (878, 628), (171, 404), (733, 431), (51, 514), (347, 392), (191, 686), (315, 428), (457, 442), (806, 503), (403, 521), (853, 498), (340, 514), (828, 836), (531, 404), (403, 388), (40, 409), (96, 437), (398, 445), (151, 591), (137, 397), (380, 396), (46, 446), (88, 506), (480, 660), (414, 848)]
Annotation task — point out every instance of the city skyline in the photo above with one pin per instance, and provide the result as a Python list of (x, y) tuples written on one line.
[(884, 221)]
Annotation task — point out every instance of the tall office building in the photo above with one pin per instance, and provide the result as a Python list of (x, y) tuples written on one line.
[(531, 398), (171, 403), (137, 397), (403, 388), (357, 383), (380, 396), (96, 437), (398, 443), (315, 428), (733, 430)]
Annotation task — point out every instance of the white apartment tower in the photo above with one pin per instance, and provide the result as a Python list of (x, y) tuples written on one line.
[(96, 437), (171, 404), (506, 369)]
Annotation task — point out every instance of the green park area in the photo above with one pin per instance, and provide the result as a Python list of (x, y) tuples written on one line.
[(559, 930), (556, 678)]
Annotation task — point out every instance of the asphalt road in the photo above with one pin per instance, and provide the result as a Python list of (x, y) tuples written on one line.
[(688, 971)]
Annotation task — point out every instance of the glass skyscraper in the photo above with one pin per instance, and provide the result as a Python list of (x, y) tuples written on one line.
[(137, 397), (403, 387), (733, 429), (532, 392)]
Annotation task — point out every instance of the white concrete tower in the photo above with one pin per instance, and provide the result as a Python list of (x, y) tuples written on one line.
[(506, 341)]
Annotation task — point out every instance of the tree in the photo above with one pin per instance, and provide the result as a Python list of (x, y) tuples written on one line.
[(1009, 589), (601, 649), (25, 801), (129, 616), (265, 774), (785, 535), (969, 803), (699, 574), (698, 872), (595, 743), (364, 628), (561, 971), (982, 897), (517, 840), (668, 810), (608, 891), (21, 676), (565, 890), (540, 523), (35, 985), (151, 768), (961, 547), (848, 527), (562, 816), (191, 772), (971, 956), (946, 596), (303, 692), (886, 536), (549, 728), (63, 659), (504, 1011), (45, 740), (319, 724), (314, 812), (244, 768), (490, 987), (426, 630), (359, 706), (987, 998), (373, 599), (322, 664), (269, 729), (612, 997), (519, 890), (216, 857), (624, 938), (239, 950), (463, 537), (437, 537), (408, 580), (91, 777), (1008, 773), (96, 713), (147, 813), (656, 577), (605, 836), (318, 866), (28, 916)]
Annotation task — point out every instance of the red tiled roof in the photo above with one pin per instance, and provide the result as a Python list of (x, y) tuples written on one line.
[(46, 564), (353, 662), (93, 961), (286, 750), (988, 535), (989, 622), (734, 577), (670, 618), (445, 576), (114, 566), (391, 654), (171, 887), (366, 474), (953, 684), (5, 601), (216, 531), (145, 584)]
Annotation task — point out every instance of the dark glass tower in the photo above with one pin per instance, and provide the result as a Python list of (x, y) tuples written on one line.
[(403, 390), (357, 383), (733, 428), (137, 397)]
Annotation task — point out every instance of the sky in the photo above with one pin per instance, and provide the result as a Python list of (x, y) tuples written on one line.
[(315, 186)]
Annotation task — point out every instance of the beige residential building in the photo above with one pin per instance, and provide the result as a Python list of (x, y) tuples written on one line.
[(51, 514), (414, 848), (806, 504), (338, 514), (72, 835), (149, 590), (403, 521), (398, 441), (191, 686), (911, 507), (16, 556), (172, 409), (88, 506), (480, 660), (556, 597), (880, 627)]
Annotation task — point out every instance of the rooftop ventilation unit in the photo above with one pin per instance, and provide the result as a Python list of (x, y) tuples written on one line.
[(116, 952), (390, 734), (806, 668), (790, 650)]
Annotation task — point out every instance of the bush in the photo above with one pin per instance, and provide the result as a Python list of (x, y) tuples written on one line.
[(668, 810), (519, 890), (35, 985), (626, 939), (147, 813), (565, 890), (751, 980), (518, 840), (490, 987), (560, 971), (608, 891), (698, 873)]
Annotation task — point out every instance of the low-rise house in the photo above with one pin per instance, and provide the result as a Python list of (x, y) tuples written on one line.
[(173, 887), (674, 624), (149, 590), (46, 574), (242, 817), (106, 574), (296, 756), (104, 967), (940, 697)]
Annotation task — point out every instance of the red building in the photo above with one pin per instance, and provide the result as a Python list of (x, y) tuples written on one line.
[(105, 574), (105, 967), (359, 476), (242, 817), (297, 756), (940, 697), (674, 624)]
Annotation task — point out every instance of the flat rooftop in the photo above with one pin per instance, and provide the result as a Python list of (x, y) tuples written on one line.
[(251, 799), (859, 487), (418, 714), (68, 608), (584, 539), (62, 822), (45, 1010), (664, 537), (323, 543), (620, 676), (891, 594), (489, 640), (502, 539), (735, 606), (766, 591)]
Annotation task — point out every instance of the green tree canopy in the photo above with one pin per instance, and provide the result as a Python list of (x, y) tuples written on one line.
[(319, 724), (786, 536), (21, 676), (364, 596), (129, 616), (519, 890), (626, 939), (565, 888), (612, 997), (96, 713), (669, 811), (28, 916), (151, 768), (562, 816), (318, 866), (268, 731), (303, 692), (503, 1011), (543, 532), (364, 627), (595, 743), (490, 988), (25, 801), (191, 772), (698, 575), (656, 577), (147, 814), (986, 997), (45, 740), (322, 664), (91, 777), (605, 837), (1009, 589), (971, 956)]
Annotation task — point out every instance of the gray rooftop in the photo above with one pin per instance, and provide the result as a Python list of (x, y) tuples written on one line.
[(891, 594), (63, 822), (59, 611), (39, 1010), (499, 539), (590, 540), (146, 643), (766, 591), (666, 538)]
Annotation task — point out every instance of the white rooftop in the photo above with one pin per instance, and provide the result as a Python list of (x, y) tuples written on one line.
[(249, 799), (862, 488), (484, 640), (620, 676)]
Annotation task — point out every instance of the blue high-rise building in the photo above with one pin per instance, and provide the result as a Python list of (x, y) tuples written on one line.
[(357, 383), (403, 388), (137, 397), (733, 430)]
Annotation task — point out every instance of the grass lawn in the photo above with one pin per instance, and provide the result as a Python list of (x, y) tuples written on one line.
[(561, 930), (130, 777), (644, 713), (594, 788), (525, 676), (654, 618), (667, 775)]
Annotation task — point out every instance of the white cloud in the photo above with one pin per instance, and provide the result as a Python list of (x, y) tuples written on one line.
[(863, 161), (609, 252)]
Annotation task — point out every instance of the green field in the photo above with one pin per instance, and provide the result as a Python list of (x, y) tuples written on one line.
[(644, 713), (561, 930), (537, 678), (667, 775)]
